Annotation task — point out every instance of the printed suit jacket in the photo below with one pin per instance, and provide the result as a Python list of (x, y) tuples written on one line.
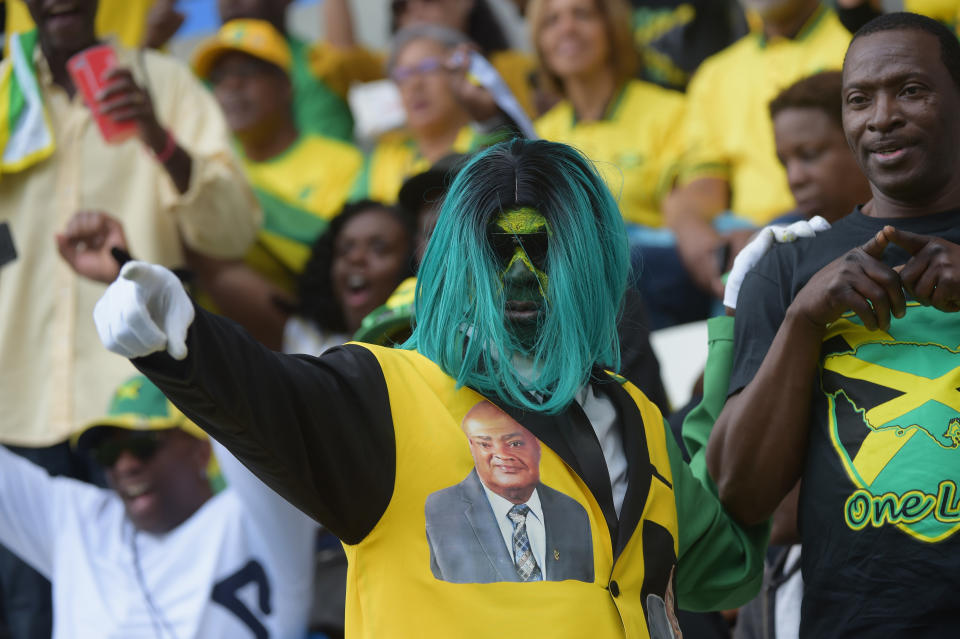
[(466, 545)]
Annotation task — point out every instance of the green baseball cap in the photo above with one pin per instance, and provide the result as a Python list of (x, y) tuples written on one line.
[(137, 404), (390, 324)]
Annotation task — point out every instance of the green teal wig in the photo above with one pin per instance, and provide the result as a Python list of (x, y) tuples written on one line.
[(459, 310)]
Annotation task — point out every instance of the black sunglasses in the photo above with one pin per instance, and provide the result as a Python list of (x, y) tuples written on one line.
[(142, 445), (533, 244)]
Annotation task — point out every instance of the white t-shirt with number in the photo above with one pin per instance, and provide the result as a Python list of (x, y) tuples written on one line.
[(241, 566)]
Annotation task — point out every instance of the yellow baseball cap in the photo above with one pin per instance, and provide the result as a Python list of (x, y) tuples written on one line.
[(257, 38)]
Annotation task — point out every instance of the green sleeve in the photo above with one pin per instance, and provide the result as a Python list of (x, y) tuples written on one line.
[(716, 377), (720, 564)]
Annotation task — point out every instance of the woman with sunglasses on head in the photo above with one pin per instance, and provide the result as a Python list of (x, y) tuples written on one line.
[(341, 56), (426, 64), (627, 126)]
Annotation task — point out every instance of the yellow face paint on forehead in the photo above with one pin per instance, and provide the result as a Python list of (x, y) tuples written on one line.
[(521, 221)]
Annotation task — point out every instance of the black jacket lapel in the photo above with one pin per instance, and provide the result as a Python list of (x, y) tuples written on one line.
[(571, 436), (638, 462)]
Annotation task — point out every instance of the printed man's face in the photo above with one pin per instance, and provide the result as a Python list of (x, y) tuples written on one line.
[(507, 455)]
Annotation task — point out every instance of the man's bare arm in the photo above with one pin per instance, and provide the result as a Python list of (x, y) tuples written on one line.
[(688, 212)]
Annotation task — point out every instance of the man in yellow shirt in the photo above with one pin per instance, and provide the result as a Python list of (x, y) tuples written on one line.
[(301, 179), (731, 164), (176, 184)]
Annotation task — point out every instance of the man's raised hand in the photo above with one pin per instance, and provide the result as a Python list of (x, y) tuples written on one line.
[(86, 242), (856, 281), (144, 311), (932, 274)]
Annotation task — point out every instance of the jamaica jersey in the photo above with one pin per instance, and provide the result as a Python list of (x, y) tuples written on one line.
[(636, 145), (880, 505), (299, 191), (728, 131), (396, 157)]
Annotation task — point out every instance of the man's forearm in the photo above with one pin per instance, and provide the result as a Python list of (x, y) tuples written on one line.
[(174, 159), (688, 212), (758, 444)]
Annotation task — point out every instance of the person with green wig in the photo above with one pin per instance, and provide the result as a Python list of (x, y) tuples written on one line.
[(517, 301)]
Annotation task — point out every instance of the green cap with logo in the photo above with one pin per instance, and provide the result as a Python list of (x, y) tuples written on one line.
[(137, 404)]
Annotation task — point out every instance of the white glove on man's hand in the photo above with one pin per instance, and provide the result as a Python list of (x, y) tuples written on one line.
[(145, 310), (758, 247)]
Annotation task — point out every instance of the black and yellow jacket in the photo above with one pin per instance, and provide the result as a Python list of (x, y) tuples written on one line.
[(361, 437)]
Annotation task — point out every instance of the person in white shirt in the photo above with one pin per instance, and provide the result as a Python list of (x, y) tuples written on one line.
[(160, 556)]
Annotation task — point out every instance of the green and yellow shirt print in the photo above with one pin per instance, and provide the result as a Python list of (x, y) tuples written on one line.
[(893, 416)]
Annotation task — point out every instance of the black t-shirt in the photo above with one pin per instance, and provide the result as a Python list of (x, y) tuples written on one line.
[(879, 507)]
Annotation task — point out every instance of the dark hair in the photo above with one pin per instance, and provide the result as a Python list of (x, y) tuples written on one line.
[(483, 27), (821, 91), (902, 21), (315, 286)]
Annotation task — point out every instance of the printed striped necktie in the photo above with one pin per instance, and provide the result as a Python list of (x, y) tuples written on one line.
[(523, 557)]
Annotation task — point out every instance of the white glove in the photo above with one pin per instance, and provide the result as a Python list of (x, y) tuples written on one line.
[(758, 247), (145, 310)]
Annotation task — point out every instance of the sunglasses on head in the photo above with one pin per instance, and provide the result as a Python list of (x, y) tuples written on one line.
[(427, 65), (142, 445), (533, 244)]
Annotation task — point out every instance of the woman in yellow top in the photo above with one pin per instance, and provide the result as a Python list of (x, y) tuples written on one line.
[(341, 59), (628, 127), (432, 91)]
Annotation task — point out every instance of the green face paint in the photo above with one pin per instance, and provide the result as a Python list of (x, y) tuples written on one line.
[(522, 236), (521, 221), (520, 239)]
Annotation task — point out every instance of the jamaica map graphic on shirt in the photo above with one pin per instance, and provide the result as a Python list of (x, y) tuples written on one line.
[(893, 415)]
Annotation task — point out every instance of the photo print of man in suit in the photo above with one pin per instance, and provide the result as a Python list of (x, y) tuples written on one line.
[(501, 523)]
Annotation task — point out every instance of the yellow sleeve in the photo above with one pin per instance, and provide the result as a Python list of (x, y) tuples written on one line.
[(702, 152), (946, 11), (672, 139), (218, 215), (339, 68)]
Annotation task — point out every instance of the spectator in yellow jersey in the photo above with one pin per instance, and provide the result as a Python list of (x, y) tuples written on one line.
[(319, 103), (438, 122), (301, 179), (731, 164), (629, 127), (341, 57), (476, 20)]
